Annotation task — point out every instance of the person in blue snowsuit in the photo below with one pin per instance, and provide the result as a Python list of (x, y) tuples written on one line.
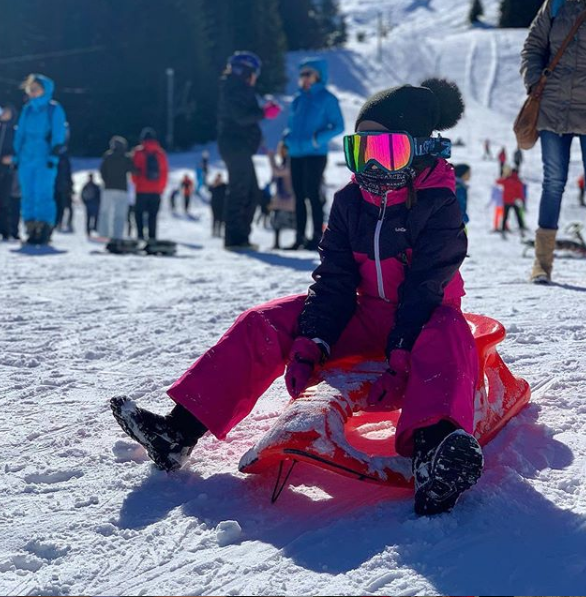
[(315, 119), (39, 140)]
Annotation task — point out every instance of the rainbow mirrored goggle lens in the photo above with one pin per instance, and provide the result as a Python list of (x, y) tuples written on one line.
[(390, 151)]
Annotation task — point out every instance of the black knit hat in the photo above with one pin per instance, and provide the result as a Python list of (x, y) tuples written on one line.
[(436, 105)]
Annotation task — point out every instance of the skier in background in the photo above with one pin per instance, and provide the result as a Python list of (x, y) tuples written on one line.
[(90, 196), (513, 199), (282, 205), (64, 194), (7, 122), (315, 119), (487, 150), (150, 174), (518, 159), (218, 189), (201, 172), (239, 138), (502, 160), (187, 187), (40, 138), (581, 188), (116, 165)]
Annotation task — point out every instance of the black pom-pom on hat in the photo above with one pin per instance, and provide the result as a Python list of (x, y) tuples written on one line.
[(450, 101), (436, 105)]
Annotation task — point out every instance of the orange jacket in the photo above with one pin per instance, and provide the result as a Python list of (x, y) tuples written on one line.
[(139, 177)]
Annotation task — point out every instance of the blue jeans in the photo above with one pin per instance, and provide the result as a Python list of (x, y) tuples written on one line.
[(556, 161)]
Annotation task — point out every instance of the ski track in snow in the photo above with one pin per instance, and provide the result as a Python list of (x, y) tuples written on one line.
[(83, 512)]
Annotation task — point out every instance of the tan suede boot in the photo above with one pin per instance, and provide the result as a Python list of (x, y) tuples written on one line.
[(544, 247)]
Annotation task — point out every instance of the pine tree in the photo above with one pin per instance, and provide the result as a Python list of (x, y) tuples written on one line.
[(331, 22), (476, 11), (519, 13), (312, 24), (110, 74), (300, 24)]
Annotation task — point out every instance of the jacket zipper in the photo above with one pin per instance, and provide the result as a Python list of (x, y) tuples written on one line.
[(377, 258)]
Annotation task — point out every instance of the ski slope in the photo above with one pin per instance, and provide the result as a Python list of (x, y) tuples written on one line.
[(84, 513)]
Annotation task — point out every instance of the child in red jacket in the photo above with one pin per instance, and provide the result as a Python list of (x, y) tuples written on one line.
[(388, 286), (513, 199), (151, 171)]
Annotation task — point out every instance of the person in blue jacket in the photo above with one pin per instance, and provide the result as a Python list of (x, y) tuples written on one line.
[(463, 174), (39, 140), (315, 119)]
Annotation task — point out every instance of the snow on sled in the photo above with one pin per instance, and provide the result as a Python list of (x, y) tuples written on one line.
[(329, 426)]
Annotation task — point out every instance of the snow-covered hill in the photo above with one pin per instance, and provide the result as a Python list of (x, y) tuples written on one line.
[(83, 513)]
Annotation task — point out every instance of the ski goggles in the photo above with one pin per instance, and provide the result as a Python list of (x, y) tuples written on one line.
[(391, 151)]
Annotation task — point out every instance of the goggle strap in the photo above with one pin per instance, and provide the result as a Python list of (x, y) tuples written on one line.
[(433, 146)]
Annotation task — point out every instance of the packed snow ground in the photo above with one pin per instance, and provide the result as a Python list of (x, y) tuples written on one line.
[(84, 513)]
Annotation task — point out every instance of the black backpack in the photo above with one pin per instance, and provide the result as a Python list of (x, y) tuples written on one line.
[(153, 170)]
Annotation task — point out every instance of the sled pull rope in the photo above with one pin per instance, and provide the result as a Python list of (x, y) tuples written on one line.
[(280, 486)]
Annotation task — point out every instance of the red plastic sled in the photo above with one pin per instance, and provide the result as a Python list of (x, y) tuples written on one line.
[(329, 427)]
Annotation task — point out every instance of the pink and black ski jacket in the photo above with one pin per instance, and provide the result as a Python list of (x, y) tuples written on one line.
[(376, 247)]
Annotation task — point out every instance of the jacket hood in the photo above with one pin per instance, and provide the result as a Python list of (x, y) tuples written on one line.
[(48, 86), (319, 65), (118, 144)]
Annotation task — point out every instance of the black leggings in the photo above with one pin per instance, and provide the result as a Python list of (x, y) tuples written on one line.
[(147, 204), (307, 174), (518, 213)]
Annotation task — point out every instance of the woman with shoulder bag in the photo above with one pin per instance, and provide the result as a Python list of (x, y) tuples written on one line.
[(554, 64)]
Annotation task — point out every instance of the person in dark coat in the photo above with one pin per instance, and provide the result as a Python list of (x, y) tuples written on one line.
[(64, 193), (116, 165), (239, 138), (91, 195), (8, 119), (218, 203)]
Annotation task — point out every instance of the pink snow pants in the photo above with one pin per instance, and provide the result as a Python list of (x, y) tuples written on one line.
[(224, 384)]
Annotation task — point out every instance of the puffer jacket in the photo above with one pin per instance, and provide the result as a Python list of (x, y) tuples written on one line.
[(563, 107), (115, 167), (377, 248), (139, 174), (513, 189), (42, 129), (239, 115), (315, 117)]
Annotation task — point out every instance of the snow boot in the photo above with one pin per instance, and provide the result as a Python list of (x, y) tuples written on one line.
[(32, 232), (44, 233), (168, 440), (444, 471), (544, 248)]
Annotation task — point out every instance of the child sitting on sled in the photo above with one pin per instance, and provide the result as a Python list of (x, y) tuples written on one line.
[(388, 285)]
